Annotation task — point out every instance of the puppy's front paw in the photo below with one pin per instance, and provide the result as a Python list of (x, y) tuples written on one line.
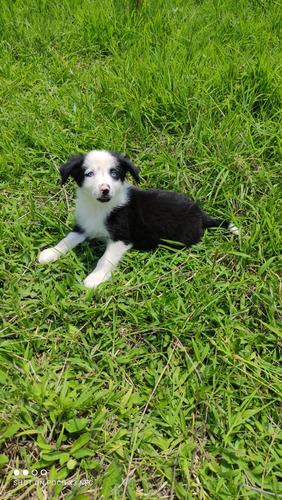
[(48, 255), (94, 279)]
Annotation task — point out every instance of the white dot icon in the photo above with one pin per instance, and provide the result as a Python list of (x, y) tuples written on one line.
[(25, 472), (16, 472)]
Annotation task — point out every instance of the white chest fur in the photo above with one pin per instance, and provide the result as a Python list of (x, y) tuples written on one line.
[(91, 214)]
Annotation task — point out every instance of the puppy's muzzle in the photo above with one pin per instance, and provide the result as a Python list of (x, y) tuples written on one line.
[(104, 190)]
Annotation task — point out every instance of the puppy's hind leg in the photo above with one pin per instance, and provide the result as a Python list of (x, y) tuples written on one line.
[(109, 261), (63, 247)]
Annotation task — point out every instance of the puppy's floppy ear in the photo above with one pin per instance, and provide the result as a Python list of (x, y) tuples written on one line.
[(128, 166), (71, 166)]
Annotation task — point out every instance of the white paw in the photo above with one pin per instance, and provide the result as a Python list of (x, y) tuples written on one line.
[(49, 255), (94, 279)]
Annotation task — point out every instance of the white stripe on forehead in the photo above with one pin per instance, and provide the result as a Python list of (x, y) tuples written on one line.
[(102, 159)]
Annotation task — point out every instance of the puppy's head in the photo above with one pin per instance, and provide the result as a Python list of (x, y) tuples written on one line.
[(100, 173)]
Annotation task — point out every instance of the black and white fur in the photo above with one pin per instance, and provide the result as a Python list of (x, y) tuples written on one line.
[(125, 216)]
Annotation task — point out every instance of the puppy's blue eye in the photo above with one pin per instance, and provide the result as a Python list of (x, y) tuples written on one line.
[(114, 174), (89, 174)]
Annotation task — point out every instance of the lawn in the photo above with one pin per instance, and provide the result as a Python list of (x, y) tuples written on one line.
[(164, 383)]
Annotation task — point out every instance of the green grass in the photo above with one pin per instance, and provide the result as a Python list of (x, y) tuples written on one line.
[(165, 381)]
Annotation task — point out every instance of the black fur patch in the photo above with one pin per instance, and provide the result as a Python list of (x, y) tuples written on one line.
[(78, 229), (73, 168), (152, 216), (125, 165)]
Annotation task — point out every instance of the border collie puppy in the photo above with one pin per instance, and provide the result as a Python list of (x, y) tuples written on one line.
[(123, 215)]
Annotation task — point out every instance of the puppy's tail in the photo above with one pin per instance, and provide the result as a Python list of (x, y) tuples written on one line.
[(210, 222)]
